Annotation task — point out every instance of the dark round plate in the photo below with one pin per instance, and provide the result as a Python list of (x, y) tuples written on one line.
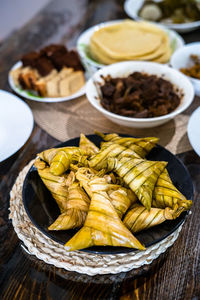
[(43, 210)]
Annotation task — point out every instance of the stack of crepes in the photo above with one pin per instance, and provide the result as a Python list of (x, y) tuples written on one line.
[(130, 40), (109, 193)]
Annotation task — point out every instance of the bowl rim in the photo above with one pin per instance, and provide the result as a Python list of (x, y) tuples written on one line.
[(171, 115), (83, 54), (195, 113), (173, 26)]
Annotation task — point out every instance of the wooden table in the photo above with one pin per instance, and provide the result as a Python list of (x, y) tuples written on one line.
[(176, 275)]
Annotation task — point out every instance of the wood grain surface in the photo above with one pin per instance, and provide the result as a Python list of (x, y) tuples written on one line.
[(175, 275)]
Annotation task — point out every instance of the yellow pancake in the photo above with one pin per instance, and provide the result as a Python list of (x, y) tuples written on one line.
[(164, 58), (151, 56), (97, 55), (128, 38), (163, 52)]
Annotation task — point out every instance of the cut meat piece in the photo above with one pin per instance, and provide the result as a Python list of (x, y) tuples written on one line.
[(30, 59), (72, 60), (69, 59), (44, 66), (53, 49)]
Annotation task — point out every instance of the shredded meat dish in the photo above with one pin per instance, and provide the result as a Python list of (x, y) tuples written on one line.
[(139, 95)]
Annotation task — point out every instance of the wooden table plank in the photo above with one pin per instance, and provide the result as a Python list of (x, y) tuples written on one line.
[(176, 275)]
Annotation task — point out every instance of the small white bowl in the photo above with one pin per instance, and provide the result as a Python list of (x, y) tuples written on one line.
[(132, 8), (123, 69), (91, 66), (181, 59)]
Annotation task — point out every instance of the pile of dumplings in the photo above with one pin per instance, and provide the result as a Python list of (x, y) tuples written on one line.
[(110, 192)]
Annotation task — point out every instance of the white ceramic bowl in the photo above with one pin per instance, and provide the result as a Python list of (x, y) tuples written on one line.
[(181, 59), (132, 8), (124, 69), (92, 66)]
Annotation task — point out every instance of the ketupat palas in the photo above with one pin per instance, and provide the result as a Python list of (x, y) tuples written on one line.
[(141, 146), (76, 209), (60, 159), (70, 197), (55, 184), (84, 175), (60, 163), (99, 161), (139, 174), (167, 195), (85, 144), (120, 197), (139, 218), (102, 227)]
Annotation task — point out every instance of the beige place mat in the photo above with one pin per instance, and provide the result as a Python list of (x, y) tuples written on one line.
[(66, 120), (55, 254)]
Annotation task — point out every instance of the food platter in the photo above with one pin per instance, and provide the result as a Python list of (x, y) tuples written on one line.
[(42, 209), (132, 7), (16, 124), (31, 96), (92, 65)]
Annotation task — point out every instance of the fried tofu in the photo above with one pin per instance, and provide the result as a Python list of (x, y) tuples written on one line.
[(15, 75), (55, 84), (71, 83), (26, 77), (52, 85), (41, 84)]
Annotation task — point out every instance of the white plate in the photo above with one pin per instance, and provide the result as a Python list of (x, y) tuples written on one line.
[(30, 96), (176, 42), (132, 8), (16, 124), (193, 130)]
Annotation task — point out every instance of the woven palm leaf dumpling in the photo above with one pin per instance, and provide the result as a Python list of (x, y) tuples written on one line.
[(111, 192), (142, 146)]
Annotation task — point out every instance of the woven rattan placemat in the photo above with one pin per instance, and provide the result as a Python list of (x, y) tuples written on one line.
[(66, 120), (55, 254)]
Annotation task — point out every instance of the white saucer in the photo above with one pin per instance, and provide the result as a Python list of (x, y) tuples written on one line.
[(194, 130), (31, 96), (16, 124)]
